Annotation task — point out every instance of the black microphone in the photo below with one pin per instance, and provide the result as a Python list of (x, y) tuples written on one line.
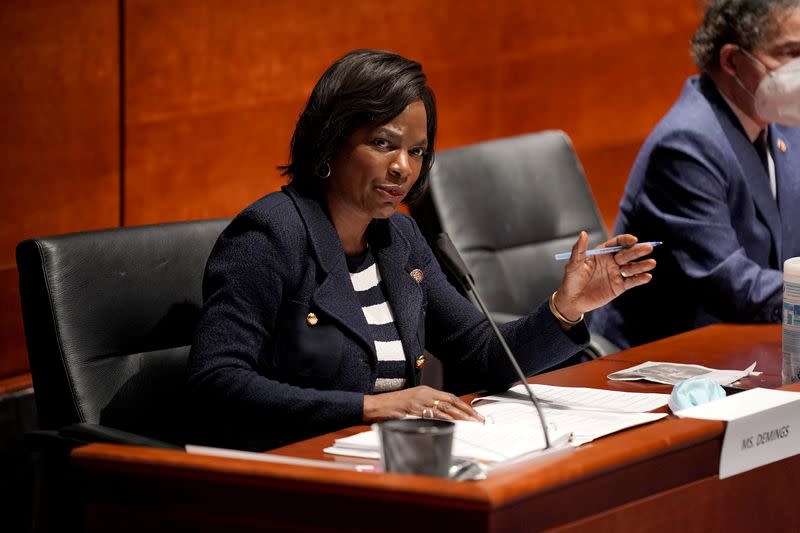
[(451, 259)]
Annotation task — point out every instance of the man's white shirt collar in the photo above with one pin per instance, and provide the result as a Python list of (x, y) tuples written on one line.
[(750, 127)]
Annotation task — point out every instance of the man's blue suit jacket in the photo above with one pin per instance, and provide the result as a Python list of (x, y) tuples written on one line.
[(699, 185), (260, 374)]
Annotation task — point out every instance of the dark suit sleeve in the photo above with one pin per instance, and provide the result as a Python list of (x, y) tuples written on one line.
[(248, 276), (458, 334), (685, 201)]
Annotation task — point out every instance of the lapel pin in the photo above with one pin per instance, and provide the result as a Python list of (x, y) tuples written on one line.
[(781, 145), (417, 275), (312, 319), (420, 361)]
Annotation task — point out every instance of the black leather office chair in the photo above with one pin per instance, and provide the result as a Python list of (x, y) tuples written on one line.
[(508, 206), (109, 317)]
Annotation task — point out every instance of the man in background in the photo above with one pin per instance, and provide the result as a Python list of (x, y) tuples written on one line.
[(718, 181)]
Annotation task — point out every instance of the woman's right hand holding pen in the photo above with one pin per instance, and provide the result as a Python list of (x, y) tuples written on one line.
[(592, 281)]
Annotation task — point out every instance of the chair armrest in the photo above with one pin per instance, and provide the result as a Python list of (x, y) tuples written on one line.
[(600, 346), (50, 441), (98, 433), (82, 433), (503, 318)]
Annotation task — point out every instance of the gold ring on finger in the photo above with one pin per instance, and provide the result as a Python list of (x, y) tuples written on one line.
[(436, 404), (427, 413)]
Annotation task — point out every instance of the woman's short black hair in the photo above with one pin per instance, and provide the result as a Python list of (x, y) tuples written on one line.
[(747, 23), (363, 87)]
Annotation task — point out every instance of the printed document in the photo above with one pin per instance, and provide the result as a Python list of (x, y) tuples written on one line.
[(583, 425), (582, 398)]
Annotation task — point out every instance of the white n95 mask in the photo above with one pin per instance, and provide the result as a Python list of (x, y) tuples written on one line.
[(777, 97)]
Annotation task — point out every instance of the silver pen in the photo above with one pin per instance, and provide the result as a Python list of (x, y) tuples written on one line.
[(610, 250)]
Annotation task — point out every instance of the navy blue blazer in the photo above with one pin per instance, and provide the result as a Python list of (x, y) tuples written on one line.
[(699, 185), (261, 375)]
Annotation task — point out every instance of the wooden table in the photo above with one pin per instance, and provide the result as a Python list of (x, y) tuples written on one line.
[(657, 477)]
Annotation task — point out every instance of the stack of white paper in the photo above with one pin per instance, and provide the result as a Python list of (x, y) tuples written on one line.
[(574, 414), (586, 413), (583, 425), (471, 440), (582, 398)]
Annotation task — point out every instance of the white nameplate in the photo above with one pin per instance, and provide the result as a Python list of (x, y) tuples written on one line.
[(760, 439), (763, 426)]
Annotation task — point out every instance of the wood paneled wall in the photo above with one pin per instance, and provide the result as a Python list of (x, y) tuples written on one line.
[(59, 134), (144, 111)]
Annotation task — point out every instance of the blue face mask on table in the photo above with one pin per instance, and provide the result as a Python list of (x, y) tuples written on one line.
[(694, 392)]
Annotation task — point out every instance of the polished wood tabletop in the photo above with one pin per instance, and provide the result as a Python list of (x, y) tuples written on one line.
[(654, 477)]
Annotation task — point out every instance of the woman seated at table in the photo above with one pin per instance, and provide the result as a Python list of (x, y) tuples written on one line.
[(321, 299)]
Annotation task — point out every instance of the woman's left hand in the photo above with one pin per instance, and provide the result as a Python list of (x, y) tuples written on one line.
[(591, 282)]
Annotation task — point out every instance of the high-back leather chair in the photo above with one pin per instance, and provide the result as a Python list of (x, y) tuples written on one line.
[(509, 205), (109, 316)]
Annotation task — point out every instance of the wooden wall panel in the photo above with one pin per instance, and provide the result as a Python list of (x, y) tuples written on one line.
[(59, 134), (213, 87)]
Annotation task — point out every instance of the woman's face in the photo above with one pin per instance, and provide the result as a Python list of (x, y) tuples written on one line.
[(377, 165)]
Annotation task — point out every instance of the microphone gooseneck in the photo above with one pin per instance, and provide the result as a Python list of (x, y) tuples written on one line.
[(451, 259)]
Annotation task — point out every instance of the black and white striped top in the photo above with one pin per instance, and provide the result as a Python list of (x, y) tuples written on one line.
[(371, 294)]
